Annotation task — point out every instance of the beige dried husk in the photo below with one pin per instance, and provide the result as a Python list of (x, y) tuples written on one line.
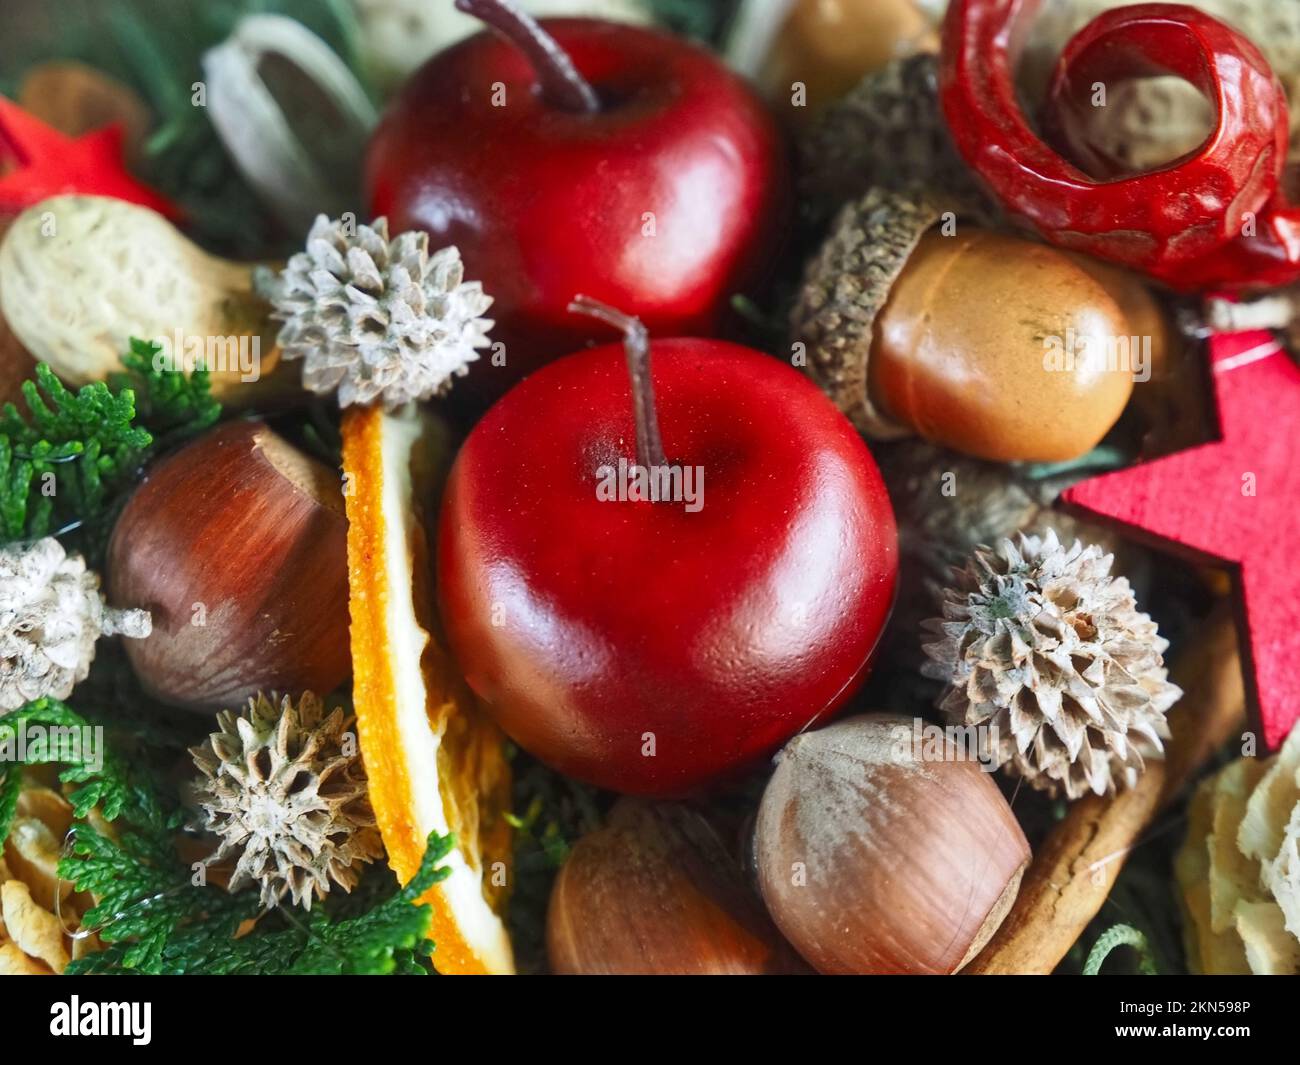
[(40, 914), (1239, 868), (1040, 641)]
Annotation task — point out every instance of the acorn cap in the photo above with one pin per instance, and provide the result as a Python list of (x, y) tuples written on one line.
[(888, 132), (845, 286)]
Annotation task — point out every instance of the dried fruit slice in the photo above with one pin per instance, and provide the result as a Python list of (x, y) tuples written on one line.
[(434, 762)]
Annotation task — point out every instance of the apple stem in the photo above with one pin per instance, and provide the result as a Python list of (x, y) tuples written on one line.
[(636, 342), (562, 85)]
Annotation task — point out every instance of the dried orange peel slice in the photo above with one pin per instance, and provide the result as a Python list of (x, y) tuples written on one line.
[(434, 761)]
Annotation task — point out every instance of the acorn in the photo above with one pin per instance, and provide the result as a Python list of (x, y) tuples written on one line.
[(237, 545), (881, 849), (918, 324), (889, 133), (654, 891)]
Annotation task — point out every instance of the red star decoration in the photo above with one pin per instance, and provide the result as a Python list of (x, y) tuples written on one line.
[(50, 163), (1237, 501)]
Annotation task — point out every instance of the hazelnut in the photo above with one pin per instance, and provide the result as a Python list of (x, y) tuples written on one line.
[(237, 545), (655, 891), (873, 858)]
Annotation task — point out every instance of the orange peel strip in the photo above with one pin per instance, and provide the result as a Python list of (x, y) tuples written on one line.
[(434, 761)]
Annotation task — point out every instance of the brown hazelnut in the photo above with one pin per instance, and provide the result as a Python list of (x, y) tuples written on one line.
[(237, 545), (985, 343), (655, 891), (874, 857)]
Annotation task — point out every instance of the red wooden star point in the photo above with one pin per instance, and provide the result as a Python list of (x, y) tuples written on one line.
[(49, 163), (1235, 500)]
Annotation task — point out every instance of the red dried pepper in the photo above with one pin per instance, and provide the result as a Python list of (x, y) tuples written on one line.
[(1216, 218)]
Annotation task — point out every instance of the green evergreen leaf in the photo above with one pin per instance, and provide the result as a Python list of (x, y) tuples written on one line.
[(67, 461)]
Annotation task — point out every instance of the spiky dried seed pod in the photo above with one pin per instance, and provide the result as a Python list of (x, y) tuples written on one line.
[(377, 319), (948, 504), (287, 797), (888, 133), (51, 614), (1042, 642)]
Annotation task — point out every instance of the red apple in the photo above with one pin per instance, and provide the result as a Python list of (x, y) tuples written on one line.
[(652, 647), (665, 198)]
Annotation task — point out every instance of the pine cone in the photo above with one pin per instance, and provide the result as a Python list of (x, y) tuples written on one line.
[(1041, 642), (284, 796), (377, 319), (51, 614)]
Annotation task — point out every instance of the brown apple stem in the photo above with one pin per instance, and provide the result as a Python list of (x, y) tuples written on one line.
[(562, 85), (636, 341)]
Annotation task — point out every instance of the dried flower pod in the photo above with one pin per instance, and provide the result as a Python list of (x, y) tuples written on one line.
[(284, 790), (654, 891), (1039, 640), (875, 856), (378, 320), (51, 614), (948, 504), (237, 545)]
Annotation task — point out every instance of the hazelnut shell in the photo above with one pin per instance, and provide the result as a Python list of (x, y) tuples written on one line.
[(237, 545), (655, 891), (874, 860)]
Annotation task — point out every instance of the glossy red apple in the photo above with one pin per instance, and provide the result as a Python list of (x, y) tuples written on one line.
[(645, 646), (664, 191)]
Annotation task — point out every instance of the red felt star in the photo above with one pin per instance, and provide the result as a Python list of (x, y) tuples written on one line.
[(50, 163), (1236, 500)]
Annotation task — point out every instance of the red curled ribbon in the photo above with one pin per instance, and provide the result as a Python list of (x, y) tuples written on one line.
[(1215, 218)]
